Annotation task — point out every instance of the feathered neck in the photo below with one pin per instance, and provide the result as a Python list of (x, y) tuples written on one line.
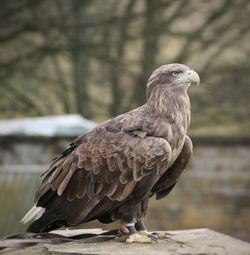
[(172, 101)]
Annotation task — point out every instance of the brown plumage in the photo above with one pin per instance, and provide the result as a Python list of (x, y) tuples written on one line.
[(110, 172)]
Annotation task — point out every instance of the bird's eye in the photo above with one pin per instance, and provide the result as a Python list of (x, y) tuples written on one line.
[(174, 73)]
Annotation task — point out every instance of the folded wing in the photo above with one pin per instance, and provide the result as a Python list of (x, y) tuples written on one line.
[(101, 170)]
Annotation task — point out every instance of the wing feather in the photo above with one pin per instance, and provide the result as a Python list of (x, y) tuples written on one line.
[(55, 173), (112, 189), (57, 181), (81, 189), (62, 186)]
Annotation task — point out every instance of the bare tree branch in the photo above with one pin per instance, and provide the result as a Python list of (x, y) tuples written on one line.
[(212, 18)]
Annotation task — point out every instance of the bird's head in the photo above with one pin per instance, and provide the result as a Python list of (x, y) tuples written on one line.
[(172, 76)]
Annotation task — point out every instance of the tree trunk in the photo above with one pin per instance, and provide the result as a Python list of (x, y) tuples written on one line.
[(80, 60), (116, 92), (150, 49)]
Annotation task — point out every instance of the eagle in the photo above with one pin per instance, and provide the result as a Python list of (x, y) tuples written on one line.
[(110, 172)]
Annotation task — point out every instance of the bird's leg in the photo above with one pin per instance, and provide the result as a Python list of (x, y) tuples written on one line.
[(141, 229)]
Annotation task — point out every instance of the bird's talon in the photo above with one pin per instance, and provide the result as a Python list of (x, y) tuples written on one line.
[(154, 240), (155, 234), (154, 237)]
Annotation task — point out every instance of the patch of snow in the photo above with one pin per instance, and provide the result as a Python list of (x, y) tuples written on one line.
[(68, 125)]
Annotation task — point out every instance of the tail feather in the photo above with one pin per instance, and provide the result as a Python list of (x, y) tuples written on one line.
[(34, 213), (47, 222)]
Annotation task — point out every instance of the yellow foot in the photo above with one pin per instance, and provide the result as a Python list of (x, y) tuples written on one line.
[(138, 238), (143, 232)]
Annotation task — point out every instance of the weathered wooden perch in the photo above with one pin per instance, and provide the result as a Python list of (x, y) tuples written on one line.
[(195, 241)]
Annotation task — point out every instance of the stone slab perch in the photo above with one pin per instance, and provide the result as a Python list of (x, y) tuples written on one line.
[(188, 242)]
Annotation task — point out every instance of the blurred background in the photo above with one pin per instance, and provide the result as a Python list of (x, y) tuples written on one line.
[(68, 64)]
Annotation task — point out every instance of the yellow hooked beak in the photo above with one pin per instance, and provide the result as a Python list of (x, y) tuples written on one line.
[(188, 77), (192, 77)]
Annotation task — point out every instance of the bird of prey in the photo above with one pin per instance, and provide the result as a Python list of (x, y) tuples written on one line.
[(110, 172)]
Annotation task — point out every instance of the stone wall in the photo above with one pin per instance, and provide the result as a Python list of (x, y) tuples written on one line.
[(213, 192)]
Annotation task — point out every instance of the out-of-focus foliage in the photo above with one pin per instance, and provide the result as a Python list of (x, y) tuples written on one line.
[(94, 57)]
